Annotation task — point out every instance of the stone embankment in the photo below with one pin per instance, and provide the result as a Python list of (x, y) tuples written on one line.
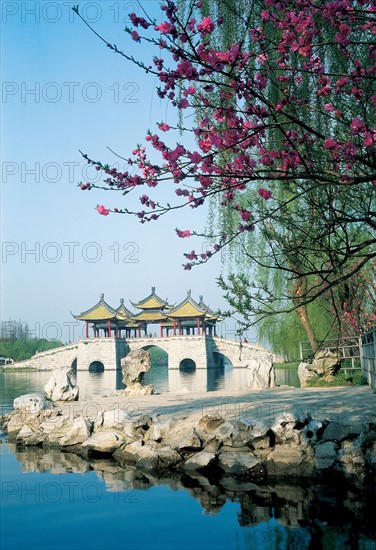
[(292, 443)]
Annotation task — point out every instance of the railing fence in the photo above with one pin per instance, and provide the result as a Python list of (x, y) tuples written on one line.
[(368, 356)]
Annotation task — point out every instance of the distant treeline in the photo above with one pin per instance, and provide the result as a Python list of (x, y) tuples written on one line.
[(17, 342)]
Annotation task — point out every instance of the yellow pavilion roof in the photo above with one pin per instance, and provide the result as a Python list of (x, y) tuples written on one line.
[(100, 312), (151, 316), (122, 312), (186, 309), (151, 302)]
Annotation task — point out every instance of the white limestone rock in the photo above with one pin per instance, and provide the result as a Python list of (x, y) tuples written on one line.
[(65, 432), (290, 460), (284, 427), (238, 463), (261, 372), (199, 461), (133, 366), (60, 386), (32, 402), (104, 441)]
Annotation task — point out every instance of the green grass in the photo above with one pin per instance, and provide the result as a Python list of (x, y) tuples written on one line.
[(342, 378), (290, 365)]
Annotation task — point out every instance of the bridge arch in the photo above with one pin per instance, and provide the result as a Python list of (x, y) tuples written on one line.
[(222, 360), (146, 347), (158, 374), (187, 365), (96, 366)]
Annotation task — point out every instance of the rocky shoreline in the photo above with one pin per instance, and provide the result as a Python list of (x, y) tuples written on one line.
[(246, 447)]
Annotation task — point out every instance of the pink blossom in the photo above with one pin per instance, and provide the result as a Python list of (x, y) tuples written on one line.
[(356, 126), (330, 144), (102, 210), (205, 145), (135, 36), (245, 214), (183, 234), (165, 28), (206, 26), (195, 157), (163, 126), (264, 193)]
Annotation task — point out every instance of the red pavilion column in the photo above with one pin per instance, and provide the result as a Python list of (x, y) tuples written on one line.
[(139, 331), (198, 326), (109, 328), (161, 331), (87, 329), (174, 327)]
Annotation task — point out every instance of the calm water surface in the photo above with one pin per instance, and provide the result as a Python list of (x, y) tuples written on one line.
[(55, 500)]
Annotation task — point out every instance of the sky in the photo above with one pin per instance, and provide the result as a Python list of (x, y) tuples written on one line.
[(63, 91)]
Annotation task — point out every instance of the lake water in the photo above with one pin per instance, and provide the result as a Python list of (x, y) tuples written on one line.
[(58, 501), (13, 384)]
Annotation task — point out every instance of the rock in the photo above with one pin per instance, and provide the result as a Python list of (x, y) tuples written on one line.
[(182, 438), (309, 433), (148, 457), (115, 418), (128, 452), (239, 463), (33, 419), (104, 441), (139, 389), (261, 443), (335, 431), (284, 427), (304, 373), (210, 422), (28, 436), (32, 402), (325, 455), (325, 364), (290, 460), (65, 432), (133, 366), (60, 387), (160, 430), (350, 458), (199, 461), (261, 373)]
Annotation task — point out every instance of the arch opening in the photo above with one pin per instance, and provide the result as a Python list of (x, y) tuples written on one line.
[(158, 374), (187, 365), (96, 366)]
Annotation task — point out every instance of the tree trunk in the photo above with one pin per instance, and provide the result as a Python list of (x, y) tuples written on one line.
[(301, 310)]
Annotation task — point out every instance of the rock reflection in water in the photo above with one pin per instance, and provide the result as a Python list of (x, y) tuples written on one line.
[(294, 514)]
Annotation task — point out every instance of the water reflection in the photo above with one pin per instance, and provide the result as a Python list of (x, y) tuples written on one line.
[(282, 514), (15, 383)]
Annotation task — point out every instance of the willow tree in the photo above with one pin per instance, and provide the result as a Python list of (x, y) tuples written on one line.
[(285, 128)]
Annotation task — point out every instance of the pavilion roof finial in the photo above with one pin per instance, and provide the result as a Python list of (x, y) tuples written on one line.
[(102, 296), (122, 301), (201, 298), (153, 288), (189, 292)]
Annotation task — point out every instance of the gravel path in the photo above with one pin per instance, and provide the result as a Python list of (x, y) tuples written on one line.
[(347, 405)]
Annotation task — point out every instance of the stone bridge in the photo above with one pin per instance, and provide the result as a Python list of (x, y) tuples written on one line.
[(184, 352)]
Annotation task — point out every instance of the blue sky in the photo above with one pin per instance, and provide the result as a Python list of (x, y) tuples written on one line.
[(63, 90)]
